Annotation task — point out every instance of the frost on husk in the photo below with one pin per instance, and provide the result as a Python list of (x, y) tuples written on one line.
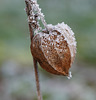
[(54, 47)]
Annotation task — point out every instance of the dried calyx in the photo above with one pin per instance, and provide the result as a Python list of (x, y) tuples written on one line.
[(53, 47)]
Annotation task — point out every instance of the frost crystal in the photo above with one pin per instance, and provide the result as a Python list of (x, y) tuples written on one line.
[(69, 76), (54, 39), (66, 31), (65, 34), (35, 16)]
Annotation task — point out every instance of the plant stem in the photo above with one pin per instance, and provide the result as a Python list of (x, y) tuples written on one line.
[(37, 79), (28, 9)]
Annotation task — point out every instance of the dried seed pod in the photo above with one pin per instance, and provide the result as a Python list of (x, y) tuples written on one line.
[(55, 49)]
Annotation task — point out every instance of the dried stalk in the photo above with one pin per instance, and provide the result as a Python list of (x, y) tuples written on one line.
[(31, 29), (61, 55), (37, 79)]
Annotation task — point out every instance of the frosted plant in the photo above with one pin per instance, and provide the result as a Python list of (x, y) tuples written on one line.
[(34, 15), (53, 47)]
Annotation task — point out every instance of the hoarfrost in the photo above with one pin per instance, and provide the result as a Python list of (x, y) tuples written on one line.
[(69, 76), (66, 32), (63, 29), (35, 14)]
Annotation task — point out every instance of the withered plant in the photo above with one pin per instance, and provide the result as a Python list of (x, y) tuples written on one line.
[(53, 47)]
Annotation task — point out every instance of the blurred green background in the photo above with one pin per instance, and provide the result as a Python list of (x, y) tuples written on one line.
[(17, 80)]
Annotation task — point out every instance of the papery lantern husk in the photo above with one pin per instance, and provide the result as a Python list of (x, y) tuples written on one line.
[(52, 49)]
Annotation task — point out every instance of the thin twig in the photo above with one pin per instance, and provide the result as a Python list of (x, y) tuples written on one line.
[(28, 9), (37, 79)]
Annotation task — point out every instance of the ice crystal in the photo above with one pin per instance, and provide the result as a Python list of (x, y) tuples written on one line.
[(66, 31), (50, 31), (66, 34), (69, 76), (35, 16)]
